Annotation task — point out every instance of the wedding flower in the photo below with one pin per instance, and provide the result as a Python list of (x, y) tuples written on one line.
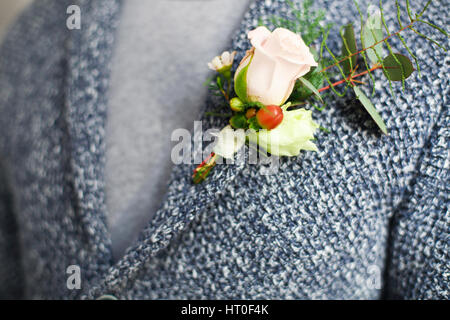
[(268, 72), (229, 142), (223, 62), (293, 134)]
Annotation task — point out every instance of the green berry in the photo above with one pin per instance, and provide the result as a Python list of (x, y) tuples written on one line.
[(237, 105)]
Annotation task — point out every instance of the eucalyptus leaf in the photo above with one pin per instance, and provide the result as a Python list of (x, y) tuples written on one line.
[(311, 87), (370, 109), (394, 70), (301, 92), (372, 32), (349, 47)]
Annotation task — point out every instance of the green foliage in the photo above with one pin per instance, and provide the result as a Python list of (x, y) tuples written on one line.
[(349, 47), (253, 124), (374, 37), (324, 129), (238, 121), (336, 63), (301, 92), (311, 87), (240, 84), (257, 105), (370, 109), (303, 20), (214, 87), (401, 26), (364, 52), (217, 85), (371, 34), (398, 67)]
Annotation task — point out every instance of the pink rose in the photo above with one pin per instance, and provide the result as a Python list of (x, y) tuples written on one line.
[(275, 62)]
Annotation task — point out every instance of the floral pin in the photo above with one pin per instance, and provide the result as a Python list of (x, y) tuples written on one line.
[(283, 71)]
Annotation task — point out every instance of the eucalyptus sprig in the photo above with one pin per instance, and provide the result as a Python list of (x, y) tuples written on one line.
[(265, 107), (374, 36)]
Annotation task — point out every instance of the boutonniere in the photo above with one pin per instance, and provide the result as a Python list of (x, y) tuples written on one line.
[(281, 79)]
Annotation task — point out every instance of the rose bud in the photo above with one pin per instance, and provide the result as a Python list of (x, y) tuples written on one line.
[(268, 72), (269, 117)]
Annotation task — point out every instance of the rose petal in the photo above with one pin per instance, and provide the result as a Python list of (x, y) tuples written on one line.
[(259, 35)]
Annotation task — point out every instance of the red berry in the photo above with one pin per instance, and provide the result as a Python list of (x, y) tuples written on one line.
[(269, 117)]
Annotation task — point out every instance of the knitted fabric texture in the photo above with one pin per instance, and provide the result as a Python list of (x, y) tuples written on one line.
[(365, 217)]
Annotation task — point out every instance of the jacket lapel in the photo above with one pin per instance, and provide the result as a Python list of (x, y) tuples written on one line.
[(183, 202), (89, 54)]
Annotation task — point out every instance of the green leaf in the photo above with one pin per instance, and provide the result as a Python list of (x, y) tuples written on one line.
[(254, 104), (253, 124), (301, 92), (349, 47), (238, 121), (394, 70), (219, 82), (372, 33), (311, 87), (315, 53), (370, 109), (240, 83)]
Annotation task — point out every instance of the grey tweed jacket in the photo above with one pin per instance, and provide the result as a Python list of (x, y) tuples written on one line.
[(366, 217)]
